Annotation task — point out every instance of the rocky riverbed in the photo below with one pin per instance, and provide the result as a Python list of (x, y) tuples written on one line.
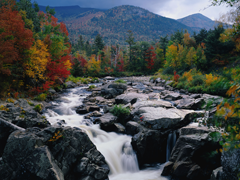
[(162, 126)]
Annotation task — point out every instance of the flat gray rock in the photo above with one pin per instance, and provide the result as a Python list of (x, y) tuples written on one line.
[(130, 98), (165, 119)]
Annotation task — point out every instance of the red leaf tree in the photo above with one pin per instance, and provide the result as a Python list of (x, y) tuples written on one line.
[(150, 58)]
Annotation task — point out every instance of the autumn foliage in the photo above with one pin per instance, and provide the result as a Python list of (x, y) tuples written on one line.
[(32, 60)]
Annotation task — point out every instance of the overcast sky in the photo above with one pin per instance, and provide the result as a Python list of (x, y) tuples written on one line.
[(169, 8)]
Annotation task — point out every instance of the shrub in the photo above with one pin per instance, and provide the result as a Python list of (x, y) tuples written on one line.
[(30, 103), (3, 108), (91, 87), (38, 108), (120, 81), (168, 70), (198, 80), (10, 100), (121, 112), (95, 80), (41, 97), (73, 79)]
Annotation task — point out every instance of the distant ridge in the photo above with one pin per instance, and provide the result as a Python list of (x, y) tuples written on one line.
[(113, 24), (67, 12), (198, 21)]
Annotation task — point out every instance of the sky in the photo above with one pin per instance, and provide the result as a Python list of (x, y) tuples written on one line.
[(174, 9)]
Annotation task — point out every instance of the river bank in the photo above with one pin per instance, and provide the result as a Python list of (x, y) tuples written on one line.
[(157, 130)]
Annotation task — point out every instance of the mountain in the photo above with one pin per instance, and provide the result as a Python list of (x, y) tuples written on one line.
[(67, 12), (114, 23), (198, 21)]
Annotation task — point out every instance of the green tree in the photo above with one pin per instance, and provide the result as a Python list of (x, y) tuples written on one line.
[(98, 44), (163, 42), (201, 36), (130, 41), (177, 37), (31, 14)]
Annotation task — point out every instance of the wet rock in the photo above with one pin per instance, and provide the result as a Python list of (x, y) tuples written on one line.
[(107, 122), (70, 84), (41, 154), (119, 128), (133, 128), (150, 146), (82, 110), (93, 108), (194, 154), (130, 98), (167, 168)]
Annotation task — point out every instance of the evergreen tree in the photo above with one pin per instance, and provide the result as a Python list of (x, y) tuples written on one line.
[(163, 42), (31, 14), (98, 44), (130, 41), (201, 36)]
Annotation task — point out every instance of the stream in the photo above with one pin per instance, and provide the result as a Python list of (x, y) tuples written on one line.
[(116, 148)]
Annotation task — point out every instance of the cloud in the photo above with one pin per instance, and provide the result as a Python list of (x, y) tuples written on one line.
[(172, 8)]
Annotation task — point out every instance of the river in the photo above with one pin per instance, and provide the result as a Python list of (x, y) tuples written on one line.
[(116, 148)]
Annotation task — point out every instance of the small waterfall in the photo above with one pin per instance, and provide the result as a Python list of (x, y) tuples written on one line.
[(129, 158), (116, 148), (170, 144)]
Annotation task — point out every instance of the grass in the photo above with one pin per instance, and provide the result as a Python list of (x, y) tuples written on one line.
[(196, 82), (121, 112), (120, 81), (41, 97)]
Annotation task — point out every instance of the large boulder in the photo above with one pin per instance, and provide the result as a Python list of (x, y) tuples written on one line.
[(163, 119), (150, 146), (133, 128), (111, 90), (23, 115), (52, 153), (194, 156), (230, 161), (189, 103), (159, 103), (70, 84), (107, 122), (172, 96), (6, 128), (130, 98)]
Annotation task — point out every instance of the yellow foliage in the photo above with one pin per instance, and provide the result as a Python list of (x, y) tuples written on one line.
[(94, 65), (38, 61), (188, 75), (210, 79), (56, 136), (191, 56), (172, 55), (227, 35), (68, 65), (3, 108)]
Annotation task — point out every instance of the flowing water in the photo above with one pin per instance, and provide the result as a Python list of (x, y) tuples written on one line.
[(116, 148), (171, 141)]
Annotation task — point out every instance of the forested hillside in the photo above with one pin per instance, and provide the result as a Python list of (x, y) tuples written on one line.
[(113, 24)]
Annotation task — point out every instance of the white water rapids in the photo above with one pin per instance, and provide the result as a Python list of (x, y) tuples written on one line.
[(116, 148)]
